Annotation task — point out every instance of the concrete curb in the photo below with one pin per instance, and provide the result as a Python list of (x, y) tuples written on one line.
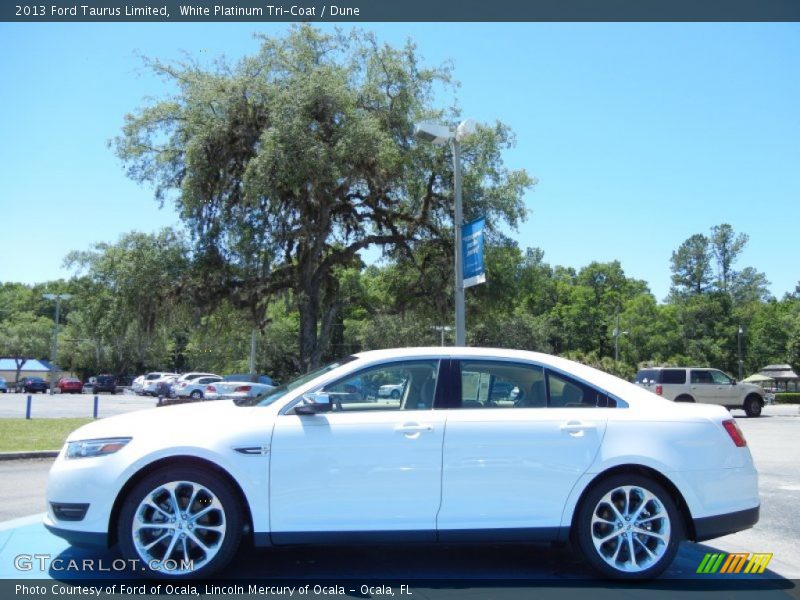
[(30, 454)]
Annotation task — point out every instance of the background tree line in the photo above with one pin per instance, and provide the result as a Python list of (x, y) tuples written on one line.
[(287, 165), (130, 311)]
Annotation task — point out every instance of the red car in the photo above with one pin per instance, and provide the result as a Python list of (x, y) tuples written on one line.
[(70, 385)]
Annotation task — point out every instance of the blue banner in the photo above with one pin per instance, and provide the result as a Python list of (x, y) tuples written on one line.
[(472, 238)]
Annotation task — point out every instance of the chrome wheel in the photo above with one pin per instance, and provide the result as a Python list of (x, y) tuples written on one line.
[(181, 525), (630, 529)]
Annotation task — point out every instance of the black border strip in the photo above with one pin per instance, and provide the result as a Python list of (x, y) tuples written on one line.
[(354, 11)]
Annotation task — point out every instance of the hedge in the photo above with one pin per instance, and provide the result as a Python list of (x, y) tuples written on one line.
[(787, 398)]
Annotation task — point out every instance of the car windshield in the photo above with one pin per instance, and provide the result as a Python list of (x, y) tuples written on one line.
[(279, 392)]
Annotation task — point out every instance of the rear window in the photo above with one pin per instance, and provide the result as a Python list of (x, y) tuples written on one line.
[(673, 376), (646, 376)]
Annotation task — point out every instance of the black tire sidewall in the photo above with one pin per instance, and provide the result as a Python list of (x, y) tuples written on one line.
[(218, 486), (751, 401), (582, 525)]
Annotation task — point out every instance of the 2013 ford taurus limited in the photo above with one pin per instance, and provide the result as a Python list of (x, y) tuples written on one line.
[(481, 445)]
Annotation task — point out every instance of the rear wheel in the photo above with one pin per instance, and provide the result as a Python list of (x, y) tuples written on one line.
[(628, 527), (196, 394), (753, 406), (684, 398), (183, 518)]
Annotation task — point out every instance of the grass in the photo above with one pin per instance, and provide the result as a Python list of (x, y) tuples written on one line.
[(18, 435)]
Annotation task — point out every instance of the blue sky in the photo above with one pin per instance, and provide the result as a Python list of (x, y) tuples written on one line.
[(640, 134)]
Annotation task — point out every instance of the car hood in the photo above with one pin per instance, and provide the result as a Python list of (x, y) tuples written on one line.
[(168, 421)]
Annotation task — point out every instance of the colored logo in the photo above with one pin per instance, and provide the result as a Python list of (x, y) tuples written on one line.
[(736, 562)]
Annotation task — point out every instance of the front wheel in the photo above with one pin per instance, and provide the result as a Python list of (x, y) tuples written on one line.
[(181, 522), (628, 527), (752, 406)]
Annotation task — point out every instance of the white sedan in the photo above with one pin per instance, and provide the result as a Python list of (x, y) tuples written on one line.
[(576, 454)]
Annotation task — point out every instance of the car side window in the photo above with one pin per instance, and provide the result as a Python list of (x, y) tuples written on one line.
[(489, 384), (565, 392), (408, 385), (699, 376), (720, 378)]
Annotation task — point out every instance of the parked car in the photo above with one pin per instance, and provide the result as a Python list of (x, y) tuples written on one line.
[(31, 385), (265, 379), (194, 388), (391, 390), (235, 390), (70, 385), (104, 383), (137, 385), (3, 385), (580, 455), (701, 384), (151, 381)]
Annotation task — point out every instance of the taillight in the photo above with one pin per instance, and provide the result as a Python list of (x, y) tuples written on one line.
[(659, 389), (736, 434), (211, 389), (243, 388)]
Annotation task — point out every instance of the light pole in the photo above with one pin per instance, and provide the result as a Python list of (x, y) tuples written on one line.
[(439, 135), (54, 345), (739, 344)]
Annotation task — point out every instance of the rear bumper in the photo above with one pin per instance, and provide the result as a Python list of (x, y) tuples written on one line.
[(707, 528)]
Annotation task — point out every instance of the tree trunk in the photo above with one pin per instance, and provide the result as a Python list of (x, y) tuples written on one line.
[(308, 303)]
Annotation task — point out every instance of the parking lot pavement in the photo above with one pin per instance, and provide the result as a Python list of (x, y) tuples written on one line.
[(773, 439), (71, 405)]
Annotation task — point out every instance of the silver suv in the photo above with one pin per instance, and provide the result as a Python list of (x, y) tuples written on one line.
[(700, 384)]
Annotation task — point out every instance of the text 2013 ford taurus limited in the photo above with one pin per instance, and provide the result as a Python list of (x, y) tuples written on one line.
[(482, 445)]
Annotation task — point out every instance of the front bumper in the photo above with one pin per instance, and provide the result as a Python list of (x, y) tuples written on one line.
[(82, 539)]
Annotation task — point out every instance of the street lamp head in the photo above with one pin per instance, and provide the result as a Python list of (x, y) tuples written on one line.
[(467, 127), (56, 296), (433, 133)]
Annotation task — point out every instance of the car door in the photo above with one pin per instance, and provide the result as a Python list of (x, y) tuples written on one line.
[(726, 392), (371, 465), (511, 458), (703, 387)]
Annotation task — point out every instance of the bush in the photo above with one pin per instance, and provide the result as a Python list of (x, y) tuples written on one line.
[(787, 398)]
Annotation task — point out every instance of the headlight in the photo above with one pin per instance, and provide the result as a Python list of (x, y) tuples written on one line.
[(90, 448)]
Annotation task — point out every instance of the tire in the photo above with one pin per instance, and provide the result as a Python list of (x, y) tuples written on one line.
[(218, 529), (395, 394), (196, 394), (684, 398), (605, 532), (753, 406)]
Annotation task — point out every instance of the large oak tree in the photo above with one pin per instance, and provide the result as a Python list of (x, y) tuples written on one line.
[(289, 163)]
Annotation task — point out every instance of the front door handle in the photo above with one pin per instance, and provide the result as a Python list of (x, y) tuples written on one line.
[(577, 427), (413, 428)]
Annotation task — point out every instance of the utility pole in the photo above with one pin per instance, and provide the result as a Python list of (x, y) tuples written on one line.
[(739, 344)]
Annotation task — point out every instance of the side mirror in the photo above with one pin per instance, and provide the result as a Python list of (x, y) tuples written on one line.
[(318, 402)]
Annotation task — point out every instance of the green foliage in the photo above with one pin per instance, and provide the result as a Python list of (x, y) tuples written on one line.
[(127, 313), (289, 163), (23, 336), (787, 398)]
